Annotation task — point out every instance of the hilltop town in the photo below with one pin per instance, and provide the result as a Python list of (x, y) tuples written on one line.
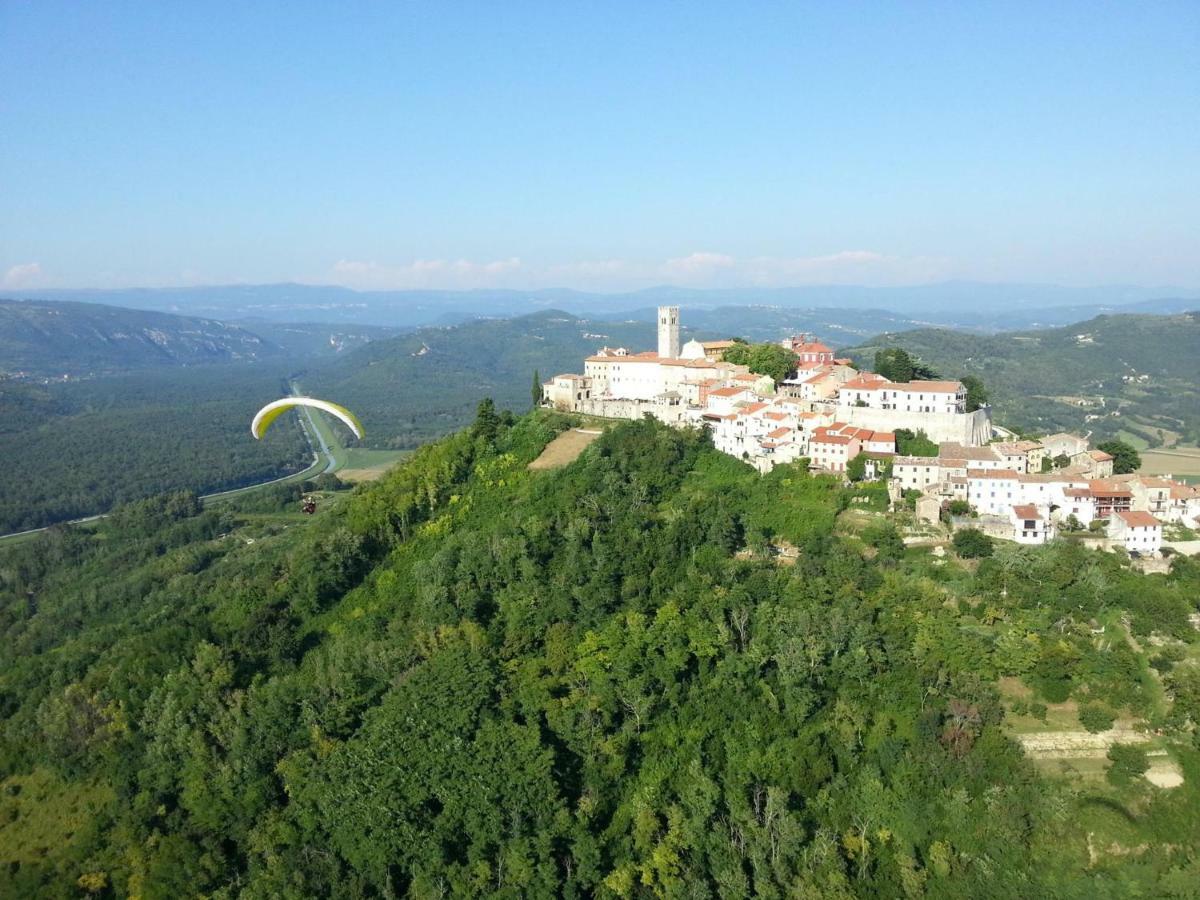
[(843, 421)]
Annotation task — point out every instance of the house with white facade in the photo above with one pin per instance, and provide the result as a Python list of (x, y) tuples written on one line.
[(1079, 502), (1184, 506), (993, 492), (1031, 525), (1136, 531), (876, 392)]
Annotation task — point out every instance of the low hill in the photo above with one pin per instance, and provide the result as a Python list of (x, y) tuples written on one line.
[(1134, 375)]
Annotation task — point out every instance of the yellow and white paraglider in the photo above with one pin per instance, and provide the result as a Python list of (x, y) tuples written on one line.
[(272, 411)]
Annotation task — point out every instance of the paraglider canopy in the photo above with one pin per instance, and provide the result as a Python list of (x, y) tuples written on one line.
[(272, 411)]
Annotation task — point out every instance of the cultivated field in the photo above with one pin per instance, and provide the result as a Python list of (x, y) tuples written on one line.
[(1175, 461)]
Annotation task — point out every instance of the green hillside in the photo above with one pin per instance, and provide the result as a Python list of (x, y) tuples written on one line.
[(1137, 374), (469, 679)]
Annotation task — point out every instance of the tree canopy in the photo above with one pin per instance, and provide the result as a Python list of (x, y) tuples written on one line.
[(763, 359), (1125, 456), (652, 672), (896, 364)]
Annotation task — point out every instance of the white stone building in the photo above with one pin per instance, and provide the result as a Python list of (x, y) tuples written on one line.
[(1136, 531), (876, 392), (1031, 525)]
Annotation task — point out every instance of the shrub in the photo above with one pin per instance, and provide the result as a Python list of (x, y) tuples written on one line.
[(959, 507), (1128, 762), (1055, 690), (971, 543), (1096, 718)]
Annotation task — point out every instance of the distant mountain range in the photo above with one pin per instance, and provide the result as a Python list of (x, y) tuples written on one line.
[(1130, 375), (63, 338), (960, 304)]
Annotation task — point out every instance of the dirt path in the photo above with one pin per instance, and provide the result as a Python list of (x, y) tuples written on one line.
[(564, 449)]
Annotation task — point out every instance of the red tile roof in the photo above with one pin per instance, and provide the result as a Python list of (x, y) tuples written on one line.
[(1108, 488), (867, 381), (814, 347), (1027, 511), (1139, 519)]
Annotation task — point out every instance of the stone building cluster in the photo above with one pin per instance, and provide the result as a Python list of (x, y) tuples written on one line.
[(1018, 489), (825, 410)]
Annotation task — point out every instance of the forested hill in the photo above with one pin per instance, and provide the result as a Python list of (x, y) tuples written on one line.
[(49, 339), (424, 384), (87, 339), (469, 679), (1138, 373)]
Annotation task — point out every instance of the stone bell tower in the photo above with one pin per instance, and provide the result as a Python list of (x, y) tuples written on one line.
[(668, 332)]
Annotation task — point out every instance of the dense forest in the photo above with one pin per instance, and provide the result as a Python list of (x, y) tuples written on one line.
[(74, 449), (650, 673), (1112, 374)]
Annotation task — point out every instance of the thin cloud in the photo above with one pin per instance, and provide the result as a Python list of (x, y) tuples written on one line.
[(700, 269), (425, 273), (23, 275)]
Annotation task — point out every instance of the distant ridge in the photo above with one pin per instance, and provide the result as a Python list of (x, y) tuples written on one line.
[(974, 305), (52, 339)]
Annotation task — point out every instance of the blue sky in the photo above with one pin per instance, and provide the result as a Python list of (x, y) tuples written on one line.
[(599, 146)]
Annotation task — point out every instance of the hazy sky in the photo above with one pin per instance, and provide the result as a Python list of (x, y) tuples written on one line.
[(598, 145)]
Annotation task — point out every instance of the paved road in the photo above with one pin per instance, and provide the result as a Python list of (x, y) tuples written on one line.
[(310, 429)]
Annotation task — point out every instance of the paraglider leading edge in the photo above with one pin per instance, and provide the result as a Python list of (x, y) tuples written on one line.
[(272, 411)]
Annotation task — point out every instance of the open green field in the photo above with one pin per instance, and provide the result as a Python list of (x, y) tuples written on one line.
[(1134, 440)]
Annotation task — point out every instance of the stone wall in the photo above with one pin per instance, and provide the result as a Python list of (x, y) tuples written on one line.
[(973, 429), (633, 409)]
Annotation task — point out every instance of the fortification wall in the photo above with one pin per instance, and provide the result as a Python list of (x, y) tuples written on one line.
[(632, 409), (973, 429)]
